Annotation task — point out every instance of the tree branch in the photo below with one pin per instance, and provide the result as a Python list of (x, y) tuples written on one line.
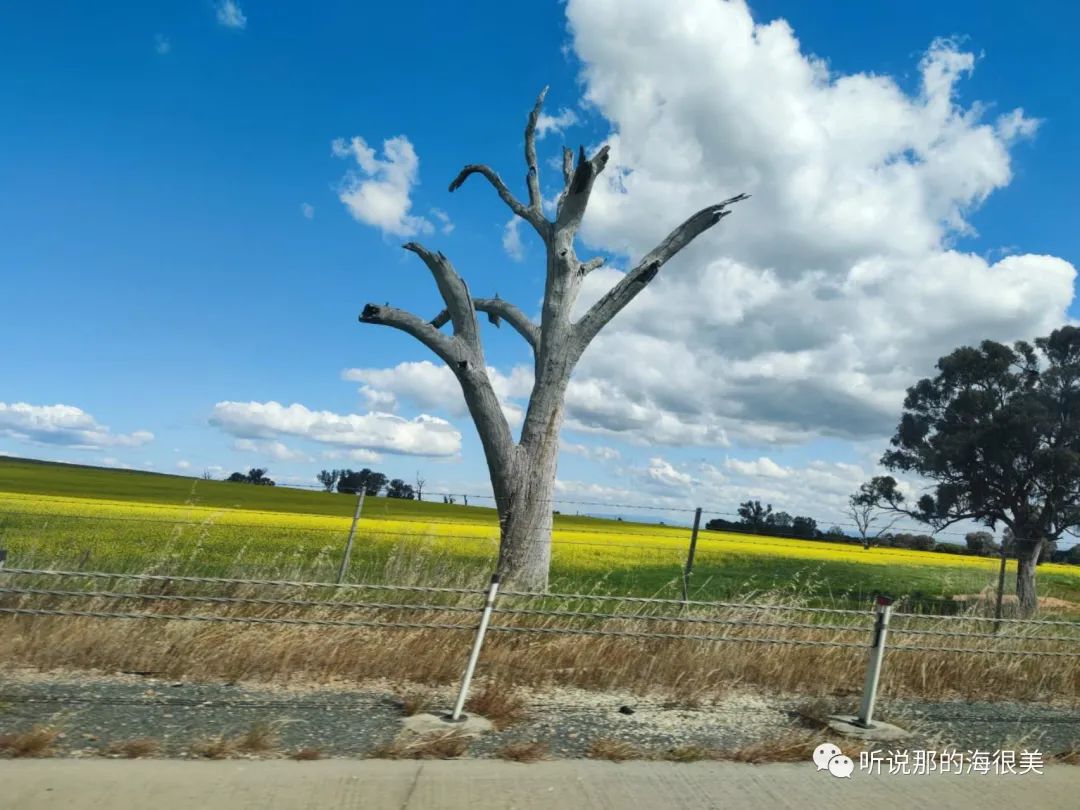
[(567, 166), (592, 264), (637, 279), (497, 309), (515, 205), (443, 345), (533, 177), (575, 196), (454, 292)]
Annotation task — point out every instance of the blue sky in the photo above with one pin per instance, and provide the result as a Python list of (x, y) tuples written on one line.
[(175, 236)]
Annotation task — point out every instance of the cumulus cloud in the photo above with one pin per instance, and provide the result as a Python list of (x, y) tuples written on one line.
[(359, 456), (273, 449), (63, 425), (591, 452), (307, 210), (230, 15), (838, 284), (546, 124), (183, 465), (379, 195), (432, 386), (763, 467), (377, 432), (511, 240), (161, 44)]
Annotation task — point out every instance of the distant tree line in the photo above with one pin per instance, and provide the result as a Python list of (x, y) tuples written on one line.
[(754, 518), (256, 475), (371, 482)]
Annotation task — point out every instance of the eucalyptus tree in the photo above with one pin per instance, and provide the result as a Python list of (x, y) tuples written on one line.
[(997, 432), (523, 469)]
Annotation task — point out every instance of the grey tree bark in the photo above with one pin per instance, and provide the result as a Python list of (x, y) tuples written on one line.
[(523, 472)]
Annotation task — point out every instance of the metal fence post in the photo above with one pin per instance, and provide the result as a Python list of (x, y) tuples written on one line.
[(455, 716), (690, 557), (873, 670), (1000, 589), (348, 543), (3, 556)]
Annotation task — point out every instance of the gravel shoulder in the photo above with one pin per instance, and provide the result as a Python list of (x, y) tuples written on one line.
[(93, 712)]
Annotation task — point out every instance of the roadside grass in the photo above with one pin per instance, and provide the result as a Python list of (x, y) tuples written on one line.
[(34, 742), (134, 749), (447, 745)]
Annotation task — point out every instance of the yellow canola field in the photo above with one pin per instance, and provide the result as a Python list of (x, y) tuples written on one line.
[(599, 546)]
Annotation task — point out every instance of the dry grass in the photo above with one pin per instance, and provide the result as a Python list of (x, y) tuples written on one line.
[(689, 673), (615, 750), (499, 702), (258, 739), (35, 742), (261, 738), (415, 701), (533, 751), (449, 745), (792, 746), (134, 749), (215, 747), (1070, 757), (306, 754)]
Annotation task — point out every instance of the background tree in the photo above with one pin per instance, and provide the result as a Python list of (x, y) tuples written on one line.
[(997, 431), (981, 543), (374, 483), (351, 482), (328, 478), (523, 472), (867, 515), (781, 521), (256, 475), (419, 487), (399, 489), (754, 516), (804, 527)]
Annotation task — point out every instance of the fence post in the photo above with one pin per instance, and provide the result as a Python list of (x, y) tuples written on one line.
[(690, 557), (1000, 589), (455, 716), (348, 543), (873, 670), (3, 556)]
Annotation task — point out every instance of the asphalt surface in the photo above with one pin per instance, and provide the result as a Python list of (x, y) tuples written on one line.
[(479, 784)]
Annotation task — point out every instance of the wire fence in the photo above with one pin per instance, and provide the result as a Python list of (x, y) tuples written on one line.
[(654, 619)]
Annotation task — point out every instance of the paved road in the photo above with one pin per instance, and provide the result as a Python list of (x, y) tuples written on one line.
[(482, 784)]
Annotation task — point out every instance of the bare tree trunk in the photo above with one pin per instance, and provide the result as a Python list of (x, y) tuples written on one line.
[(1027, 557), (523, 474)]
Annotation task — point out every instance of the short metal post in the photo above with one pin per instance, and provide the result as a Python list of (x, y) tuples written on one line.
[(690, 557), (873, 669), (3, 556), (456, 716), (1000, 589), (348, 544)]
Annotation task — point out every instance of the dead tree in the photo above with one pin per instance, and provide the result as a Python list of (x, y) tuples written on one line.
[(523, 471)]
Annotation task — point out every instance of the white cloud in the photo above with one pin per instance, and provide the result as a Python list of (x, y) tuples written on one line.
[(379, 195), (307, 210), (546, 124), (511, 240), (422, 436), (62, 425), (161, 44), (763, 467), (183, 465), (812, 308), (433, 386), (664, 473), (447, 226), (267, 447), (361, 456), (591, 452), (230, 15)]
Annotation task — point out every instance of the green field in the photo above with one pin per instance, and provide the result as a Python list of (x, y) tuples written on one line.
[(63, 515)]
